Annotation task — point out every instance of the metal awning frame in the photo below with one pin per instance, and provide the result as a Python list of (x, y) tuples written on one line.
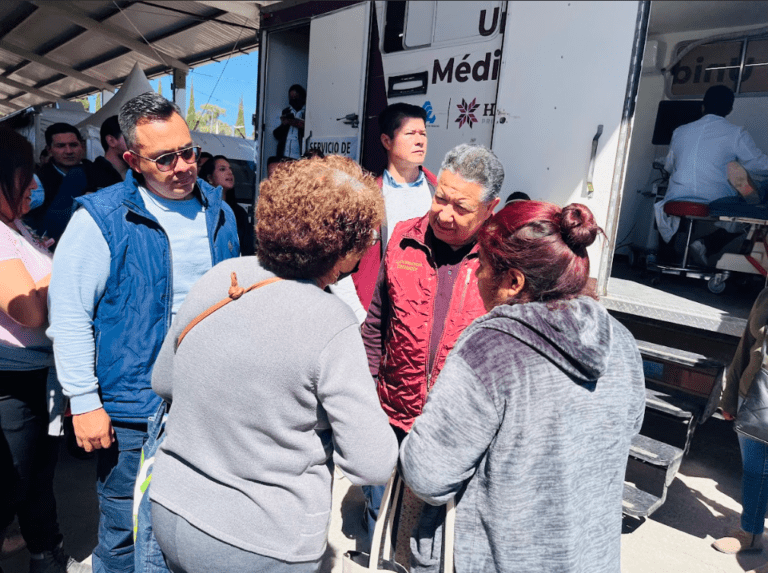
[(36, 71)]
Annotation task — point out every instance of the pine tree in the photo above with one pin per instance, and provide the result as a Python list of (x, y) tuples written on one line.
[(240, 123), (160, 87), (191, 113), (97, 106)]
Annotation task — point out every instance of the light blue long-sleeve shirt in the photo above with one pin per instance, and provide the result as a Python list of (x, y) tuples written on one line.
[(81, 268)]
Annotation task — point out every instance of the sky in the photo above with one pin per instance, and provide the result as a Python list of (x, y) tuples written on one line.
[(220, 83)]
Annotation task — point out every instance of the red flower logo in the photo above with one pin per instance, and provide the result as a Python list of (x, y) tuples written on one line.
[(467, 112)]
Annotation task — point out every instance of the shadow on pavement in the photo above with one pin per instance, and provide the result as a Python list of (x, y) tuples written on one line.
[(77, 509), (714, 465)]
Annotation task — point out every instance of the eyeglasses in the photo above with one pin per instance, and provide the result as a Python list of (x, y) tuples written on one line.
[(167, 161)]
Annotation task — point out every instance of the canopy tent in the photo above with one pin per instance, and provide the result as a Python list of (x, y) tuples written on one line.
[(135, 84)]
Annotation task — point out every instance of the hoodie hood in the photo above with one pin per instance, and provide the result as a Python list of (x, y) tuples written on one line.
[(576, 335)]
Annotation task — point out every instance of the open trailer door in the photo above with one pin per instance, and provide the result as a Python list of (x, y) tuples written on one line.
[(338, 56), (562, 90)]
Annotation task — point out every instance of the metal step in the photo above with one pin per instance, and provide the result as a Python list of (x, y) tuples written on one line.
[(638, 503), (670, 403), (652, 465), (681, 383), (676, 355), (671, 430), (655, 452)]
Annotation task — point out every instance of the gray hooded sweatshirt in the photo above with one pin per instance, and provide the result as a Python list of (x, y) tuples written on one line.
[(529, 426)]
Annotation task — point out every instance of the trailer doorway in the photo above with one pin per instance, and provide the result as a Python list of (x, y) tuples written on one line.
[(284, 62), (673, 26), (327, 53)]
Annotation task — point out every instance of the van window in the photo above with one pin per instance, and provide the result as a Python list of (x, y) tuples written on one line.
[(394, 27), (740, 65), (755, 76), (422, 23), (420, 17), (245, 180)]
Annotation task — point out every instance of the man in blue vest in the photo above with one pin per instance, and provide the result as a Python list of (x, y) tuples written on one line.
[(123, 267)]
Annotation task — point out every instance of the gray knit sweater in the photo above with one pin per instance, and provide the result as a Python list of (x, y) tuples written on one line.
[(267, 394), (530, 424)]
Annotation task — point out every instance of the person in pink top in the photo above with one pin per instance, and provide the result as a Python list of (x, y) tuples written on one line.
[(27, 456)]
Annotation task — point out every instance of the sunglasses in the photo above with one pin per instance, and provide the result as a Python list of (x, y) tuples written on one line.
[(167, 161)]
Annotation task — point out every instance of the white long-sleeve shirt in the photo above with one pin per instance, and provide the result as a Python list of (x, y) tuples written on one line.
[(697, 161)]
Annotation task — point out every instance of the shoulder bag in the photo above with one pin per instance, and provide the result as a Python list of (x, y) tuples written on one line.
[(752, 417), (381, 557)]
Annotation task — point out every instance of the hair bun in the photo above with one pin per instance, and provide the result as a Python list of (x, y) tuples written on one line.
[(578, 227)]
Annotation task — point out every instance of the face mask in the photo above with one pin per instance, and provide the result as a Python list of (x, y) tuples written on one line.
[(38, 195), (350, 273)]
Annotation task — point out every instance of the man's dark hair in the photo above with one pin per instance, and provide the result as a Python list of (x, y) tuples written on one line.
[(110, 127), (517, 196), (313, 152), (145, 107), (299, 90), (203, 156), (58, 129), (393, 115), (719, 100), (278, 159)]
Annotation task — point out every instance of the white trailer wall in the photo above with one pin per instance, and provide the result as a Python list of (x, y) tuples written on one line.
[(749, 111)]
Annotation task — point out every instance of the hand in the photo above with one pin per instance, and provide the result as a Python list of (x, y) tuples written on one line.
[(728, 416), (93, 430)]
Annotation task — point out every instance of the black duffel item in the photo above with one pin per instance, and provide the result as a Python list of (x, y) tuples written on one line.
[(752, 418)]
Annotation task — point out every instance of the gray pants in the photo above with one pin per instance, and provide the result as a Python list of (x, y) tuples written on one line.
[(189, 550)]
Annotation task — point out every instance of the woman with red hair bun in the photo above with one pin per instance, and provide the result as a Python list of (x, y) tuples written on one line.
[(530, 422)]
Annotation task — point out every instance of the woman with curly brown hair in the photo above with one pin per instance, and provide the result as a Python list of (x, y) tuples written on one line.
[(530, 420), (272, 391)]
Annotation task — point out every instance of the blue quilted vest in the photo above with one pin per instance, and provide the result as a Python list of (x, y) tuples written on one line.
[(133, 316)]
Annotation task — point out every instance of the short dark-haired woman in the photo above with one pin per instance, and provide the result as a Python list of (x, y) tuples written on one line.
[(530, 422), (271, 391)]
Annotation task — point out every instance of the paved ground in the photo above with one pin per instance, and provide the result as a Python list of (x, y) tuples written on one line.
[(702, 504)]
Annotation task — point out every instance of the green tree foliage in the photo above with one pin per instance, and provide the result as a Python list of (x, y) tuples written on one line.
[(97, 105), (160, 87), (209, 121), (191, 113), (84, 102), (240, 123)]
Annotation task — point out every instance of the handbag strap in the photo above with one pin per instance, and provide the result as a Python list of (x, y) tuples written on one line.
[(385, 522), (448, 532), (382, 532), (235, 292)]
